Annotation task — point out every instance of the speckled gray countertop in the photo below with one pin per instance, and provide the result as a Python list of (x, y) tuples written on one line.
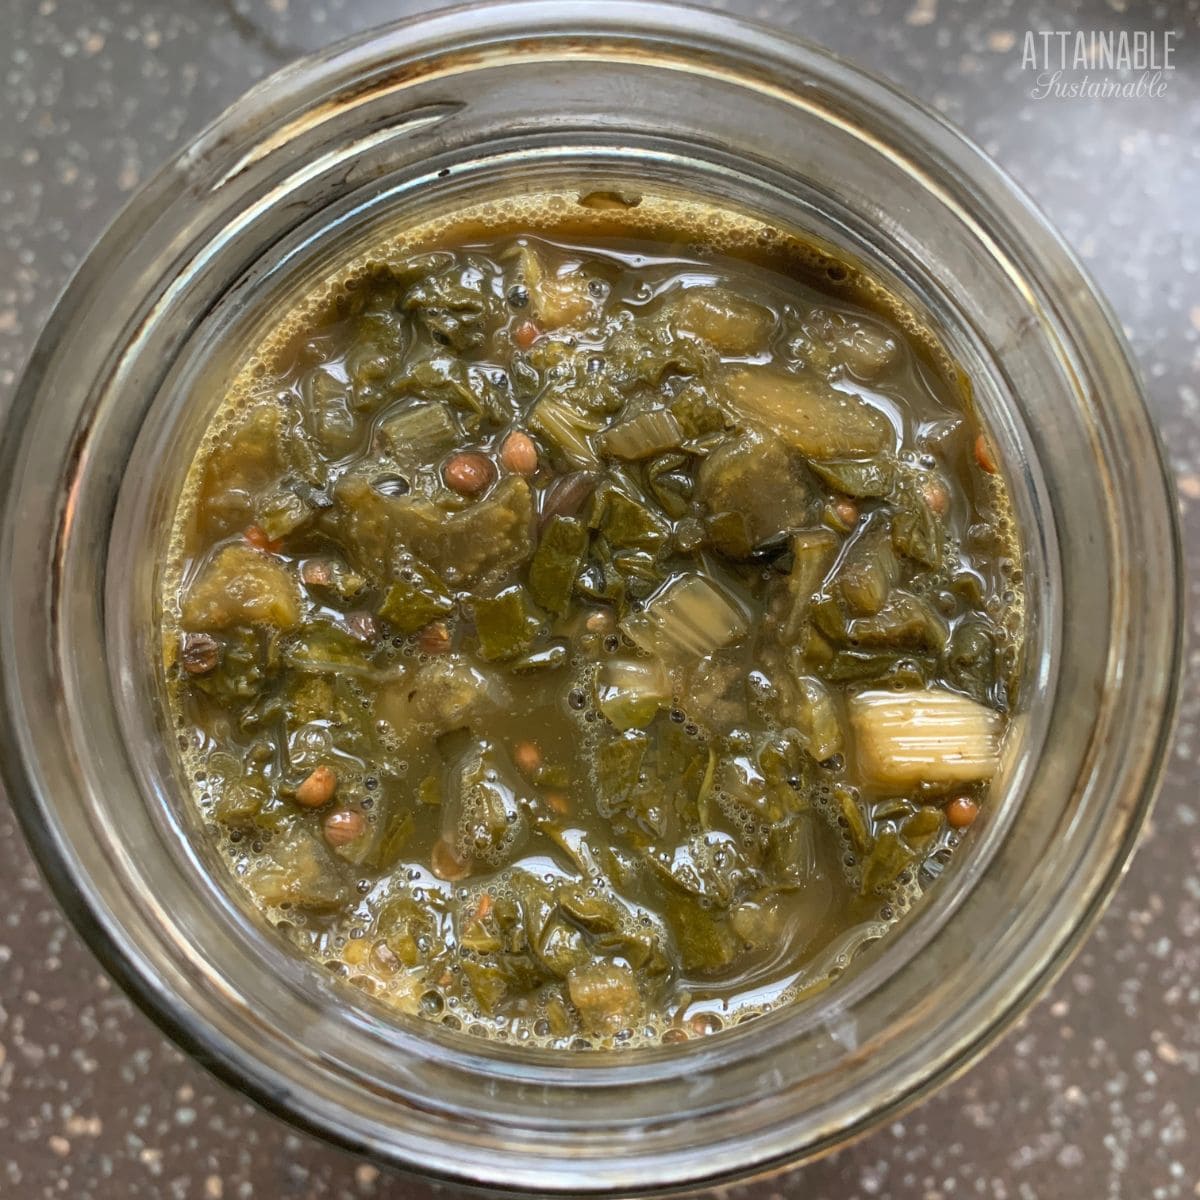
[(1097, 1093)]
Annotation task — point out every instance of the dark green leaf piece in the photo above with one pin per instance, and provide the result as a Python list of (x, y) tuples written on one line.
[(601, 580), (456, 305), (463, 386), (920, 829), (592, 913), (239, 801), (489, 982), (917, 532), (618, 769), (756, 777), (323, 645), (643, 353), (888, 859), (879, 666), (790, 848), (489, 805), (813, 552), (682, 762), (697, 412), (856, 822), (905, 622), (669, 482), (868, 571), (248, 661), (416, 598), (828, 617), (759, 480), (628, 524), (397, 829), (971, 660), (729, 533), (508, 624), (282, 511), (861, 478), (556, 563), (401, 923), (896, 808), (705, 942)]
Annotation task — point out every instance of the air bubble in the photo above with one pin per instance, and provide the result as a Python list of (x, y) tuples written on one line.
[(705, 1024)]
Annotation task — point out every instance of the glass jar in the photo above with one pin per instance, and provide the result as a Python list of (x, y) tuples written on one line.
[(615, 96)]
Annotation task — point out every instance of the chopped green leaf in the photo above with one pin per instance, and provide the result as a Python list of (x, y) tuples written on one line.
[(887, 860), (860, 835), (860, 478), (415, 598), (917, 532), (627, 523), (556, 563), (753, 490), (508, 624), (618, 769), (395, 831)]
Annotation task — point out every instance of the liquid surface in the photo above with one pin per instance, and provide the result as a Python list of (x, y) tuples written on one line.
[(590, 640)]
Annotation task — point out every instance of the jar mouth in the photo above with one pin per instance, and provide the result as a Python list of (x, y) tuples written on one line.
[(561, 175), (434, 110)]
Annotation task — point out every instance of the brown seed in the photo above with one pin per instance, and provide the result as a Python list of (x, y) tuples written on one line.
[(519, 454), (984, 456), (524, 334), (260, 541), (961, 811), (468, 472), (934, 492), (343, 826), (846, 511), (672, 1036), (200, 653), (558, 803), (317, 572), (318, 787), (600, 621), (361, 627), (528, 758), (434, 638), (446, 864)]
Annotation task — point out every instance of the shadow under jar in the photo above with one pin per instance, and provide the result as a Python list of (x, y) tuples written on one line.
[(425, 117)]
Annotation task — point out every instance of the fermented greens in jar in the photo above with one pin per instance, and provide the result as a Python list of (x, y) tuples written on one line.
[(592, 631)]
